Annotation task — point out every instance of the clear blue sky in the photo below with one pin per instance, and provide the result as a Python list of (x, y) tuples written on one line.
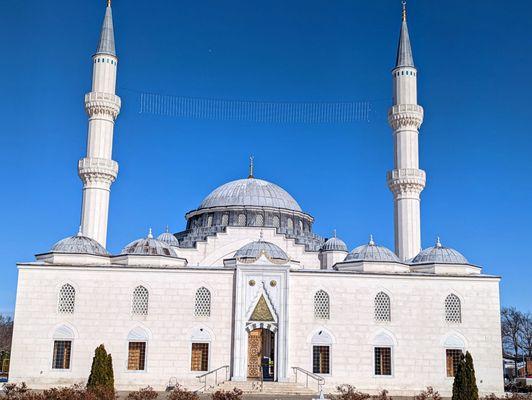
[(474, 60)]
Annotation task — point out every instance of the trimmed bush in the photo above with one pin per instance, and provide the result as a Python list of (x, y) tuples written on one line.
[(465, 382), (383, 396), (180, 393), (235, 394), (348, 392), (102, 375)]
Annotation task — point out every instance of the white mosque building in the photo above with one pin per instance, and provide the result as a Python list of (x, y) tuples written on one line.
[(248, 291)]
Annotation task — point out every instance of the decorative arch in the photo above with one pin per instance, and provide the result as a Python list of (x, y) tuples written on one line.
[(261, 325), (384, 338), (138, 334), (64, 332), (201, 334), (321, 336), (454, 340)]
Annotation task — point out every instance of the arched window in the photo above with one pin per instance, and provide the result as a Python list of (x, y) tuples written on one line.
[(382, 307), (202, 306), (209, 220), (300, 223), (242, 219), (453, 309), (140, 301), (259, 220), (225, 219), (321, 305), (275, 221), (321, 352), (67, 299), (290, 224), (63, 338)]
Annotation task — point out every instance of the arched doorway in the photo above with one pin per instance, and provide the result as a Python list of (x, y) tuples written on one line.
[(261, 354)]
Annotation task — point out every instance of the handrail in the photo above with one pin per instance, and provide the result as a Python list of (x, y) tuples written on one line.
[(320, 380), (215, 372)]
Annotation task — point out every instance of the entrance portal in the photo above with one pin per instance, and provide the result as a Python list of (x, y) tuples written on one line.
[(261, 354)]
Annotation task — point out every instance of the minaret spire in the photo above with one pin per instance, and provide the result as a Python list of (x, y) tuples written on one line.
[(98, 170), (406, 180)]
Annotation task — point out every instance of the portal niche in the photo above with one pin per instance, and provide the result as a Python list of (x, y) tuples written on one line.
[(261, 354)]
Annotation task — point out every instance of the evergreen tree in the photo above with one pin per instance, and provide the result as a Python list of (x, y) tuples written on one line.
[(465, 383), (102, 370)]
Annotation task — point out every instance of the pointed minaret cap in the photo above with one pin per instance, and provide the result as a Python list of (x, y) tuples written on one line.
[(107, 36), (404, 51), (251, 167)]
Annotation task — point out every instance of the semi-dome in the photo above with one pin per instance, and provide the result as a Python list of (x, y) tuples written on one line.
[(438, 254), (250, 192), (372, 252), (168, 238), (334, 244), (149, 246), (79, 244), (252, 252)]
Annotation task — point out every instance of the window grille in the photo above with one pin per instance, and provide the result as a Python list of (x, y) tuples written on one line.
[(200, 357), (136, 359), (61, 356), (453, 357), (321, 359), (225, 219), (276, 222), (383, 361), (321, 305), (140, 301), (290, 224), (453, 309), (67, 299), (300, 223), (202, 306), (259, 220), (242, 219), (382, 308)]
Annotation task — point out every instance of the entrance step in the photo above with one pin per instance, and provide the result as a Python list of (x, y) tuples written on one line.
[(267, 388)]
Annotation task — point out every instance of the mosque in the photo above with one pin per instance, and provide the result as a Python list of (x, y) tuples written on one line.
[(247, 292)]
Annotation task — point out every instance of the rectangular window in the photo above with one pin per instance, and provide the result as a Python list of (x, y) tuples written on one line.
[(321, 359), (61, 359), (383, 361), (453, 359), (136, 360), (200, 357)]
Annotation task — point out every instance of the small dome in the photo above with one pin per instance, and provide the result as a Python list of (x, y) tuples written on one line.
[(334, 244), (149, 246), (372, 252), (439, 255), (252, 252), (250, 192), (168, 238), (79, 244)]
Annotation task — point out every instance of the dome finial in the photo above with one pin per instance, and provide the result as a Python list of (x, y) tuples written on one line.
[(261, 236), (438, 242), (108, 3), (404, 10), (371, 242), (167, 229), (80, 232), (150, 234), (251, 167), (334, 233)]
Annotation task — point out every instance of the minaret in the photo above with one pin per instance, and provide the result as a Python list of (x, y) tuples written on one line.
[(97, 170), (406, 180)]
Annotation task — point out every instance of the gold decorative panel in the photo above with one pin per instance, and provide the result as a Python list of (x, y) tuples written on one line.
[(262, 311)]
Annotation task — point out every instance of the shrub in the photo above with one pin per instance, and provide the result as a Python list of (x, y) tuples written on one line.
[(180, 393), (146, 393), (348, 392), (235, 394), (465, 382), (513, 396), (383, 396), (101, 370), (14, 390), (428, 394)]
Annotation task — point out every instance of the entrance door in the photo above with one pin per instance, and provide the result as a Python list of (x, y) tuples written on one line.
[(261, 354)]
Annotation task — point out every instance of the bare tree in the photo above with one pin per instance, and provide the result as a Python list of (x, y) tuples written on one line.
[(6, 333), (526, 334), (511, 325)]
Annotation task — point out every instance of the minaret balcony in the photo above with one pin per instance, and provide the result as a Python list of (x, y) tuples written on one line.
[(405, 116), (102, 103), (406, 181), (101, 169)]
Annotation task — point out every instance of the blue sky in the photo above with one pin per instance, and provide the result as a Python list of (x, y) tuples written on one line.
[(474, 60)]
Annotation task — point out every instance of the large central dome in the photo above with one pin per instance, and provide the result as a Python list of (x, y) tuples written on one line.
[(250, 192)]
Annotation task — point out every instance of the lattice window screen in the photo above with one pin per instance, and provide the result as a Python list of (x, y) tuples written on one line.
[(225, 219), (259, 220), (453, 309), (321, 305), (202, 307), (276, 222), (67, 299), (290, 224), (140, 301), (382, 308), (242, 219)]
